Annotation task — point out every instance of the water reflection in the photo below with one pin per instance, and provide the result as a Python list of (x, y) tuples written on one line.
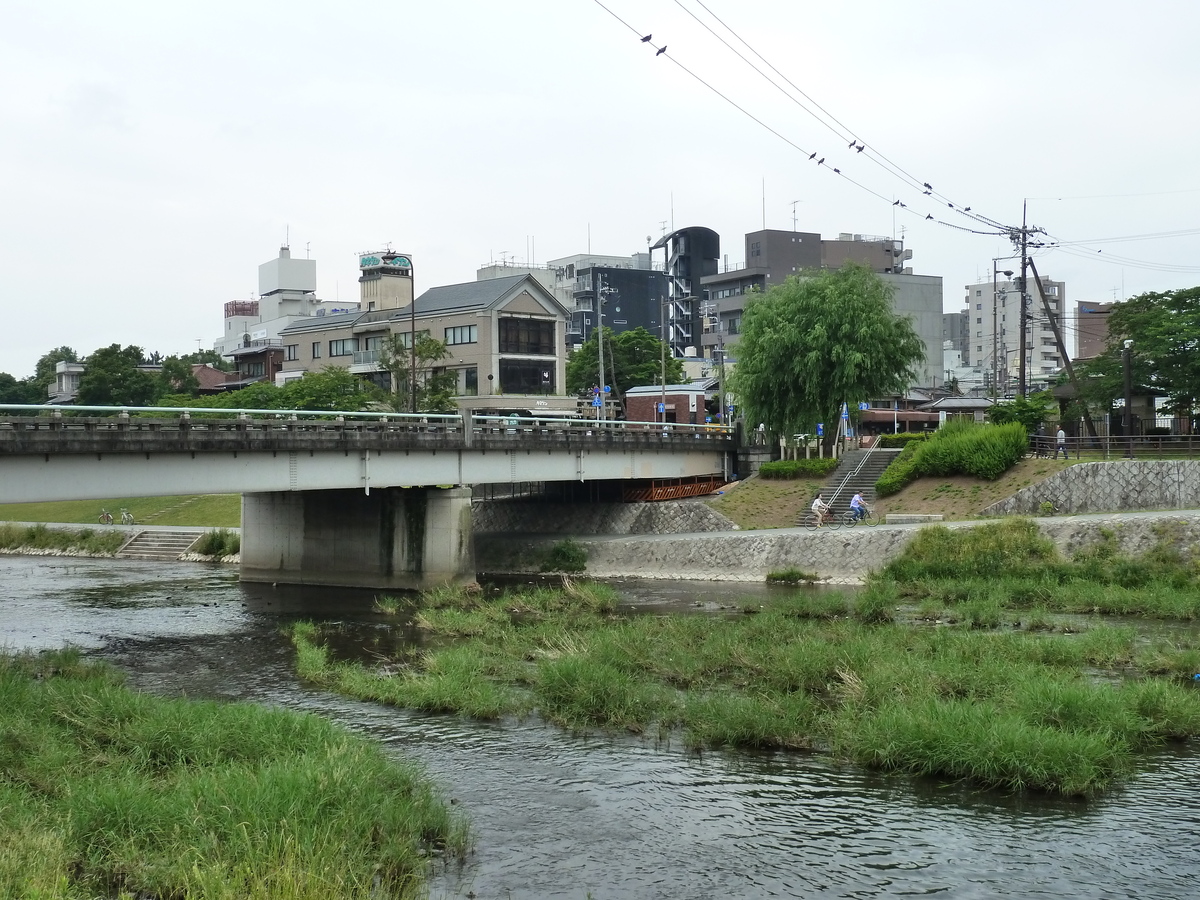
[(561, 815)]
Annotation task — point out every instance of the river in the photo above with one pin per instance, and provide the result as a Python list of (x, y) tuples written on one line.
[(621, 818)]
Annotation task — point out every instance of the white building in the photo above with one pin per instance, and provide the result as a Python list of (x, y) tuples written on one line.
[(994, 332), (286, 293)]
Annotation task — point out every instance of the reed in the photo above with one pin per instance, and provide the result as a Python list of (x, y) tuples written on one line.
[(39, 537)]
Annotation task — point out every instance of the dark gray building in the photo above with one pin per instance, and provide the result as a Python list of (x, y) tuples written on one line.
[(692, 255), (633, 298), (956, 328)]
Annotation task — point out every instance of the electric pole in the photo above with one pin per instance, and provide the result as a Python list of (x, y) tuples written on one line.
[(1023, 384)]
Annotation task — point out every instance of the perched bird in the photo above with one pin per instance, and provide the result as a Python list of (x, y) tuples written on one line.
[(951, 205), (813, 156), (821, 161), (850, 146), (930, 216), (861, 147), (647, 38), (839, 171), (897, 203), (928, 185), (968, 209), (661, 50), (926, 193)]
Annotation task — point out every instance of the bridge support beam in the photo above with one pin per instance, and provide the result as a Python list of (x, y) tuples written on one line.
[(400, 538)]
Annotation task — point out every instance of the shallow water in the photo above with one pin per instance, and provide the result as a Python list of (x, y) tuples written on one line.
[(557, 815)]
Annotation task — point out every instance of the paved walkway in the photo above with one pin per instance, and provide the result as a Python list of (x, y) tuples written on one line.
[(75, 526)]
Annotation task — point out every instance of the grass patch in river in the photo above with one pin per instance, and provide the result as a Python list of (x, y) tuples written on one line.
[(108, 792), (1007, 707), (39, 537)]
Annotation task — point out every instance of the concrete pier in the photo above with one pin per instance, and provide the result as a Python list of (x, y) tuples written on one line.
[(399, 538)]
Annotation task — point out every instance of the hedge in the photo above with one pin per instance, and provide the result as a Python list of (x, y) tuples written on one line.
[(903, 438), (958, 448), (798, 468)]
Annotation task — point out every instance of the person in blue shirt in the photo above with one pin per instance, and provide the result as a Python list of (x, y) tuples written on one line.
[(858, 506)]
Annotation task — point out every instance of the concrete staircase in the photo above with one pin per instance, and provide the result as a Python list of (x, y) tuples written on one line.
[(163, 545), (864, 480)]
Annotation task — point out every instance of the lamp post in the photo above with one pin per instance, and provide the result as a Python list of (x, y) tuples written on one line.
[(412, 342), (1127, 362), (995, 332)]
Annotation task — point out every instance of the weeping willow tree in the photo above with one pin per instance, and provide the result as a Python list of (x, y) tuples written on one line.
[(819, 340)]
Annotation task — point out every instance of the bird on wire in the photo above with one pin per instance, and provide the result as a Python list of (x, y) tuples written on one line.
[(930, 216), (861, 147), (928, 185), (647, 38), (661, 50), (812, 156), (850, 146), (897, 203), (839, 171), (821, 161)]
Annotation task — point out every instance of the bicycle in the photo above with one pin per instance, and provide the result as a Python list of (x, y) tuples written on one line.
[(105, 517), (869, 518), (826, 519), (127, 517)]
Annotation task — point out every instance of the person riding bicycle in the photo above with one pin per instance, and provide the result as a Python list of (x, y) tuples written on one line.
[(858, 507), (821, 510)]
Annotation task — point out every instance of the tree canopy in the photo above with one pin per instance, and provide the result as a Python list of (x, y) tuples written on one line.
[(631, 358), (435, 386), (817, 341), (112, 378), (1165, 357), (1030, 411)]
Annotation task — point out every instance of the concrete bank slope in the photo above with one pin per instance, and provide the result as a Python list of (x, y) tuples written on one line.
[(847, 554)]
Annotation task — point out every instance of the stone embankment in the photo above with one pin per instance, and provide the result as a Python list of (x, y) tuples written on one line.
[(844, 555), (1115, 486), (534, 516)]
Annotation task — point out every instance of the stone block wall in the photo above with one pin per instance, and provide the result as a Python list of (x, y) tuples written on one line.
[(535, 516), (1115, 486)]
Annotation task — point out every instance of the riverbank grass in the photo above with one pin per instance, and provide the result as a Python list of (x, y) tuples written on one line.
[(39, 537), (107, 792), (211, 510), (981, 701)]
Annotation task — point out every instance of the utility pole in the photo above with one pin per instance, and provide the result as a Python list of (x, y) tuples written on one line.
[(600, 338), (412, 343), (1024, 266), (1062, 349)]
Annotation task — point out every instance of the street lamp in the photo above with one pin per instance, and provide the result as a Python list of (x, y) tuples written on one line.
[(995, 333), (1126, 360)]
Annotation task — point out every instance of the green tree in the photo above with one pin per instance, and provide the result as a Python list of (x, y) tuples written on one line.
[(208, 357), (631, 358), (112, 378), (820, 340), (436, 387), (333, 388), (1030, 412), (23, 391), (177, 377)]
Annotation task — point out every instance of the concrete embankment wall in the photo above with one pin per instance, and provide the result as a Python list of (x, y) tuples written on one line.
[(1114, 486), (535, 516), (845, 554)]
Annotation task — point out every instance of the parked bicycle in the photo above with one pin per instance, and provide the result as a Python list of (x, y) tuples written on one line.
[(868, 518), (127, 517), (105, 517)]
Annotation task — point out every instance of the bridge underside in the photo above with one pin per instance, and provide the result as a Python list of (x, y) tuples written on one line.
[(398, 538)]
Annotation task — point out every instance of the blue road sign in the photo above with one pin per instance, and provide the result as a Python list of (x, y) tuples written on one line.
[(607, 389), (661, 407), (820, 429), (597, 402), (864, 405)]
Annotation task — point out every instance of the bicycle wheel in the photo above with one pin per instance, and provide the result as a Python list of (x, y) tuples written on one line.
[(872, 519), (810, 521), (833, 522), (848, 520)]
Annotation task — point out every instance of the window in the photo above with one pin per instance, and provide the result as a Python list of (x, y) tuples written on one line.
[(979, 306), (979, 349), (316, 350), (756, 248), (462, 334), (372, 343), (735, 325), (471, 380), (979, 293), (526, 376), (406, 338), (291, 352), (978, 320), (534, 336), (979, 334), (252, 370), (345, 347)]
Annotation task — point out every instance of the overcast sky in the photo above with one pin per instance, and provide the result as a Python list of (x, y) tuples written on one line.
[(152, 155)]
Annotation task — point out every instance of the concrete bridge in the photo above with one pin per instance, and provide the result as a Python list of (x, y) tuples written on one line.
[(350, 498)]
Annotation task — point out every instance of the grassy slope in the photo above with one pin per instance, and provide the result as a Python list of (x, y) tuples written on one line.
[(758, 503), (213, 510)]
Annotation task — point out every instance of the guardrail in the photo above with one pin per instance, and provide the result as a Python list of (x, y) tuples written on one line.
[(1117, 446)]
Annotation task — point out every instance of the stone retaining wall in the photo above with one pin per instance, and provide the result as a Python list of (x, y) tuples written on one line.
[(844, 555), (537, 517), (1115, 486)]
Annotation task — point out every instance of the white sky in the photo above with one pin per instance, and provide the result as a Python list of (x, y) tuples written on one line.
[(152, 155)]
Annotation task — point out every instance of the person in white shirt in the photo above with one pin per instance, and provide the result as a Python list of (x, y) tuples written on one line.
[(1061, 444), (821, 509)]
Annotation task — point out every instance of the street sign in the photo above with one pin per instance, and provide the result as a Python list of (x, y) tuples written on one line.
[(661, 407), (864, 405), (820, 429), (607, 389), (597, 402)]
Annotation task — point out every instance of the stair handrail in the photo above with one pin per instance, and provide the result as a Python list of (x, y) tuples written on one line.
[(862, 462)]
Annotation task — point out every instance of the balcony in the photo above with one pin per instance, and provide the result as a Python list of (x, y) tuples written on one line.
[(364, 361)]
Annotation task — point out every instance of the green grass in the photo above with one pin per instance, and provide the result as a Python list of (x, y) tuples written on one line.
[(1005, 707), (96, 541), (219, 542), (790, 576), (105, 792), (213, 510)]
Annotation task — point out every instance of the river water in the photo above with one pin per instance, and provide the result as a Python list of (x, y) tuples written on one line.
[(563, 816)]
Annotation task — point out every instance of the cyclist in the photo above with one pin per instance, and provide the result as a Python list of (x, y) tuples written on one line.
[(821, 509), (858, 507)]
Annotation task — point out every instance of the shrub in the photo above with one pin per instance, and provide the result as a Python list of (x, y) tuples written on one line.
[(566, 556), (900, 474), (798, 468), (960, 447), (219, 542), (902, 439)]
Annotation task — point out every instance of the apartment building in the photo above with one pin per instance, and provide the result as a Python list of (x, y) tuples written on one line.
[(994, 332)]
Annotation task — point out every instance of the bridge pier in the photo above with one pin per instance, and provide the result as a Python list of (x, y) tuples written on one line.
[(400, 538)]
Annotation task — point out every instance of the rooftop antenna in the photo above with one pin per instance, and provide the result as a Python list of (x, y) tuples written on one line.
[(287, 236), (307, 244), (794, 202), (663, 225)]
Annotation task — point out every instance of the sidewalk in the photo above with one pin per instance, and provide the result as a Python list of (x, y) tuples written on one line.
[(74, 526)]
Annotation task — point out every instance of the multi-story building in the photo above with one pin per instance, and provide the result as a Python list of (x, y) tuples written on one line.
[(1091, 328), (956, 330), (994, 328), (506, 336), (286, 293), (692, 254)]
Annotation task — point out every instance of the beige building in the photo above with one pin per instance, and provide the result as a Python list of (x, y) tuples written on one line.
[(506, 336)]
